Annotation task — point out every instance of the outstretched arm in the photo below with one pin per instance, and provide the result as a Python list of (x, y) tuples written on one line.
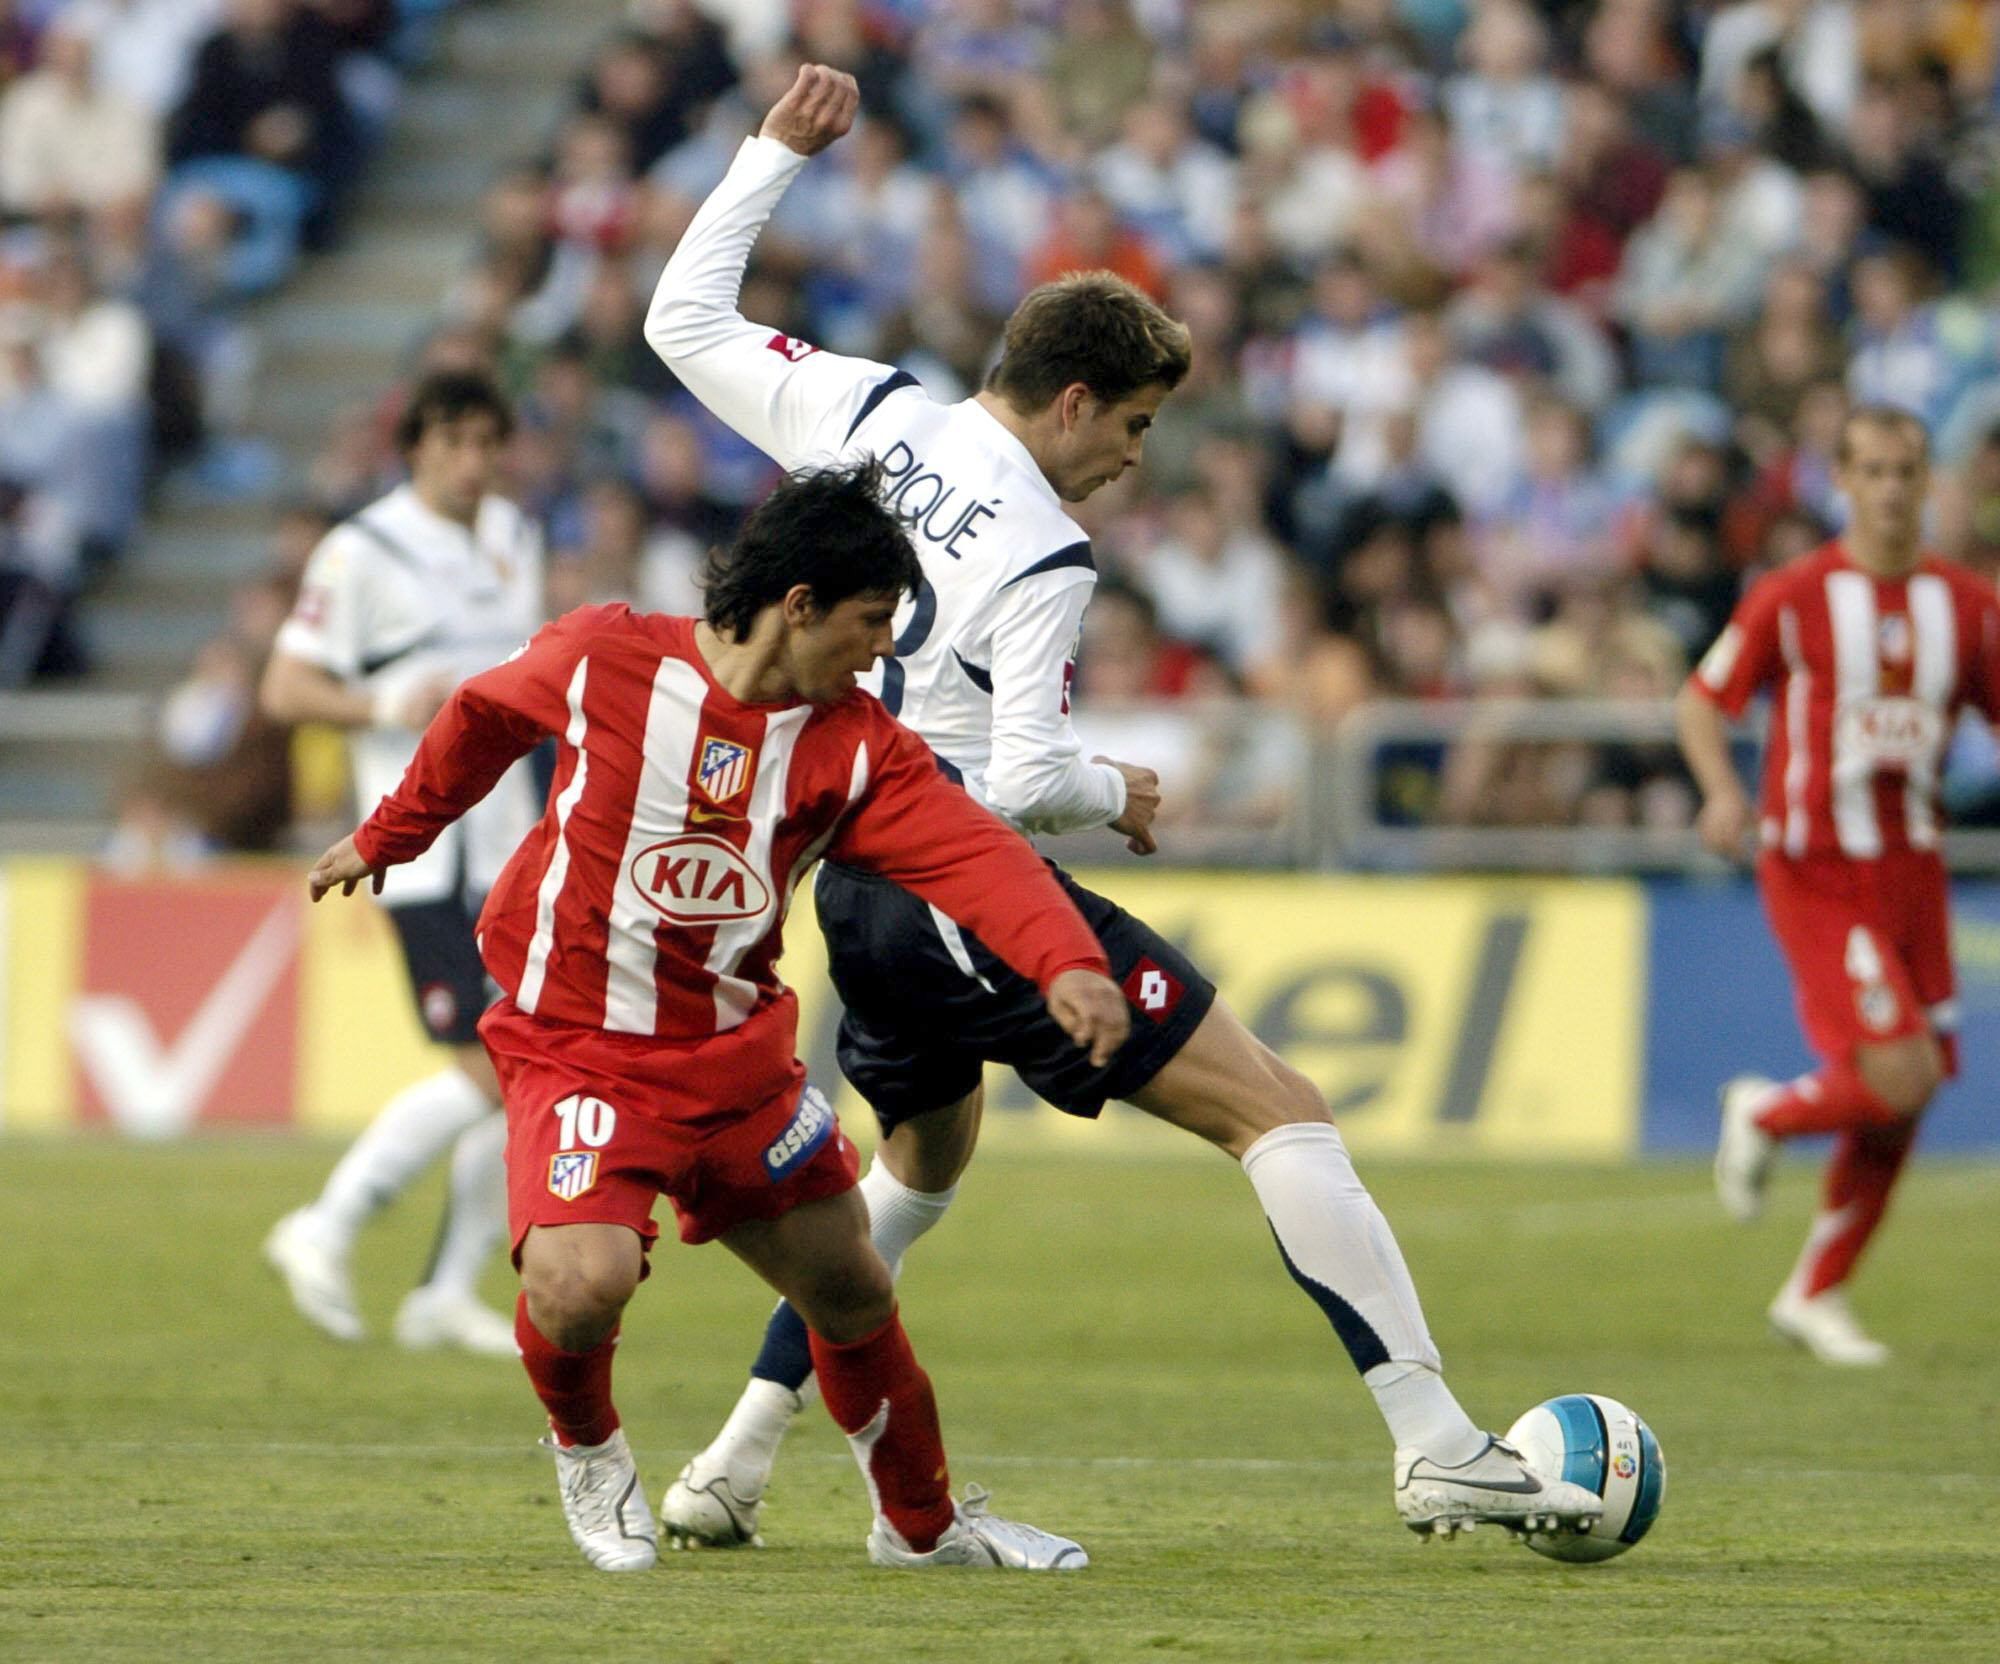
[(787, 397)]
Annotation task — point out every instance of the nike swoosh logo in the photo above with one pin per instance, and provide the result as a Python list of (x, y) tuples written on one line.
[(1518, 1487), (702, 816)]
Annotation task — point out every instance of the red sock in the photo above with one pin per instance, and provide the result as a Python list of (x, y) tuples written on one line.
[(574, 1386), (881, 1399), (1836, 1099), (1863, 1171)]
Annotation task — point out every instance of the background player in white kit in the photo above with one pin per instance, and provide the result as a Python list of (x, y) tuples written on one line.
[(982, 671), (433, 583)]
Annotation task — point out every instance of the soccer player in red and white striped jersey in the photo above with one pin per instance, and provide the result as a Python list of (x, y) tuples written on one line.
[(1871, 649), (644, 1041)]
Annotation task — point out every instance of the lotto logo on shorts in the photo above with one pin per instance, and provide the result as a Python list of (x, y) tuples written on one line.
[(811, 1127), (723, 770), (1153, 991), (572, 1172)]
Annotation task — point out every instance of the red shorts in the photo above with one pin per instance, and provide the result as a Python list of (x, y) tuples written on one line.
[(1869, 944), (599, 1125)]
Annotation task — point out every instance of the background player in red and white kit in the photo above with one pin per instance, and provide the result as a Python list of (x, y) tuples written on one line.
[(1871, 650), (644, 1042)]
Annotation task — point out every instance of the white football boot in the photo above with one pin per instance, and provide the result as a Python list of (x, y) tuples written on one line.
[(977, 1538), (1826, 1328), (605, 1504), (431, 1317), (1497, 1487), (719, 1494), (315, 1274), (1745, 1152), (703, 1508)]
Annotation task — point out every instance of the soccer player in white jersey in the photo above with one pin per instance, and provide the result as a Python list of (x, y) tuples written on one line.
[(431, 584), (982, 671)]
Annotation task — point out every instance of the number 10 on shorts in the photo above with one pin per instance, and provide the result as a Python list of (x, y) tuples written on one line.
[(588, 1121)]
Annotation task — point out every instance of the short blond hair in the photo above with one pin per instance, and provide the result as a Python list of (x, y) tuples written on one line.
[(1884, 418)]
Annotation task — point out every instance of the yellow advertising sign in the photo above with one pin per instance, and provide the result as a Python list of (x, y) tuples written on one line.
[(1438, 1015), (359, 1038), (41, 924)]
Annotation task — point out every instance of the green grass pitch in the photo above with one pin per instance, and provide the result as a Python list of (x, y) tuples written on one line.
[(193, 1475)]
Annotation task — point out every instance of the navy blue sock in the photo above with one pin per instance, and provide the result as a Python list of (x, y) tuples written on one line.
[(786, 1355)]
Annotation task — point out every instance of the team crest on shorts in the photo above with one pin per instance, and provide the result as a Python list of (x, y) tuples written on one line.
[(572, 1172), (724, 769), (1877, 1005)]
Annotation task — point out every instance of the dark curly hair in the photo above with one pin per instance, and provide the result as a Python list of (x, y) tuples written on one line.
[(826, 528), (445, 396)]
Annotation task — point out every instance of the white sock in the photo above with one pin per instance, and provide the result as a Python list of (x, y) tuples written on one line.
[(410, 1132), (748, 1443), (1423, 1414), (898, 1215), (475, 1217), (1340, 1250)]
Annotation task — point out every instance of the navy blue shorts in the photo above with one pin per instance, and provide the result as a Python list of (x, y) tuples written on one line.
[(446, 975), (921, 1022)]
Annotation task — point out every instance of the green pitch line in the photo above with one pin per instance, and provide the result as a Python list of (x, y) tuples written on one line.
[(194, 1475)]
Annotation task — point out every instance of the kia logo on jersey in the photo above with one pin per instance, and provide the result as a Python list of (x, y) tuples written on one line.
[(1890, 733), (699, 880)]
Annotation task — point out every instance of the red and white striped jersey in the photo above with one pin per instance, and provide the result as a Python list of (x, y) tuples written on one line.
[(1870, 675), (651, 897)]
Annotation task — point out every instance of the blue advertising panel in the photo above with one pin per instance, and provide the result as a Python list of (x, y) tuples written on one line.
[(1719, 1003)]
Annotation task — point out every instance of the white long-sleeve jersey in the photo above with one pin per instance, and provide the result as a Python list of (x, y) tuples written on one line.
[(985, 651)]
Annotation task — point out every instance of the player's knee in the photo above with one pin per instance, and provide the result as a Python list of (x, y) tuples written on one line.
[(928, 1152), (575, 1302), (849, 1303), (1278, 1096), (1905, 1076), (1256, 1100), (1294, 1098)]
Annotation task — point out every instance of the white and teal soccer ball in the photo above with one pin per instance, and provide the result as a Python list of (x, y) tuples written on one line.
[(1597, 1443)]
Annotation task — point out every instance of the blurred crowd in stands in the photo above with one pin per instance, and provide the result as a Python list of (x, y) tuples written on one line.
[(1523, 331), (162, 162)]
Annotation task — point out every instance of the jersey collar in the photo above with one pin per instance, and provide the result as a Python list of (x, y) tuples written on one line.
[(1003, 440)]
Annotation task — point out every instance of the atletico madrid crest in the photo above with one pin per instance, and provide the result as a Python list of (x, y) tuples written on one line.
[(572, 1172), (724, 769)]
